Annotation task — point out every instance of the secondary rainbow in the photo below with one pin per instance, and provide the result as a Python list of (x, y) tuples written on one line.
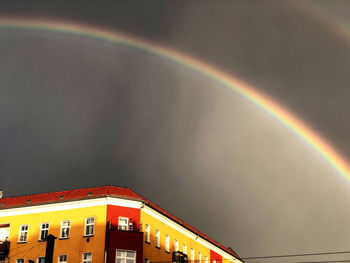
[(320, 145)]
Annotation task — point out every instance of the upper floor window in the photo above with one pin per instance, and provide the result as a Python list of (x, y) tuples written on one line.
[(41, 260), (199, 257), (167, 243), (65, 226), (157, 238), (87, 257), (89, 226), (4, 232), (44, 231), (123, 223), (23, 233), (20, 260), (176, 245), (206, 259), (184, 249), (125, 256), (62, 259), (147, 233), (146, 260), (192, 255)]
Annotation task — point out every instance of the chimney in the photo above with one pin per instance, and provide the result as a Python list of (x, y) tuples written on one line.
[(0, 193)]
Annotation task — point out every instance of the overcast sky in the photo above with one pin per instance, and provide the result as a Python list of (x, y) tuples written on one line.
[(80, 112)]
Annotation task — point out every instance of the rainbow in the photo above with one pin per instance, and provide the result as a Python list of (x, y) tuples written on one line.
[(320, 145)]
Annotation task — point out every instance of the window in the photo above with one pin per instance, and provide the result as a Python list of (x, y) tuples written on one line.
[(44, 231), (206, 259), (176, 245), (147, 233), (167, 243), (89, 226), (62, 259), (199, 257), (125, 256), (184, 249), (20, 260), (65, 226), (146, 260), (192, 255), (23, 233), (123, 223), (4, 232), (87, 257), (157, 238), (41, 260)]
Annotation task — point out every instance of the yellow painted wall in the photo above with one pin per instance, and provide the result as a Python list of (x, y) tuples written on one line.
[(74, 247), (155, 254)]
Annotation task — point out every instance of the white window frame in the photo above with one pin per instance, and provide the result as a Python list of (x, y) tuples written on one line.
[(19, 260), (38, 259), (87, 260), (206, 259), (184, 249), (124, 227), (167, 243), (147, 233), (192, 255), (25, 232), (157, 238), (126, 257), (199, 257), (44, 229), (176, 245), (59, 259), (65, 227), (87, 225)]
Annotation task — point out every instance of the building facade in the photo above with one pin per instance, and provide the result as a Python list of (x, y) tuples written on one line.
[(106, 224)]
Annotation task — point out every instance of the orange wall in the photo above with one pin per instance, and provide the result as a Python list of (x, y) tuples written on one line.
[(74, 246)]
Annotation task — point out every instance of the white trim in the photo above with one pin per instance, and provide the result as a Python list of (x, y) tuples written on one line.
[(150, 211), (23, 231), (123, 202), (82, 256), (65, 227), (69, 205), (124, 227), (126, 254), (41, 229), (58, 258), (86, 225)]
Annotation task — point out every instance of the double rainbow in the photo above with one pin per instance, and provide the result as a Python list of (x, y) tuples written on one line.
[(321, 146)]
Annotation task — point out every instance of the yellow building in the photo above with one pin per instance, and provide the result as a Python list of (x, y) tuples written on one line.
[(104, 224)]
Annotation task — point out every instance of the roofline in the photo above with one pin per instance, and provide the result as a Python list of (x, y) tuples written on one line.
[(141, 199), (69, 189)]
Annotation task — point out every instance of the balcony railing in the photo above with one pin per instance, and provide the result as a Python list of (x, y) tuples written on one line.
[(4, 249)]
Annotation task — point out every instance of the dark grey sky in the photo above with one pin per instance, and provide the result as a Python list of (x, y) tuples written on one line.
[(78, 112)]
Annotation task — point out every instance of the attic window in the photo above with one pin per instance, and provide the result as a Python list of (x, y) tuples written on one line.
[(89, 194), (28, 201), (61, 197)]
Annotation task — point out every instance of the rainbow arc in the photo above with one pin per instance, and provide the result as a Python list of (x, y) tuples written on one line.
[(301, 129)]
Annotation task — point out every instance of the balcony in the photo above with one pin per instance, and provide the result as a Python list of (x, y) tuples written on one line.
[(4, 249)]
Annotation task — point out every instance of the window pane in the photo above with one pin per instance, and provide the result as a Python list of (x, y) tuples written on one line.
[(130, 254), (130, 260)]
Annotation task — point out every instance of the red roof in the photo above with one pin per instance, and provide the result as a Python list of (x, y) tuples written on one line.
[(103, 191)]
